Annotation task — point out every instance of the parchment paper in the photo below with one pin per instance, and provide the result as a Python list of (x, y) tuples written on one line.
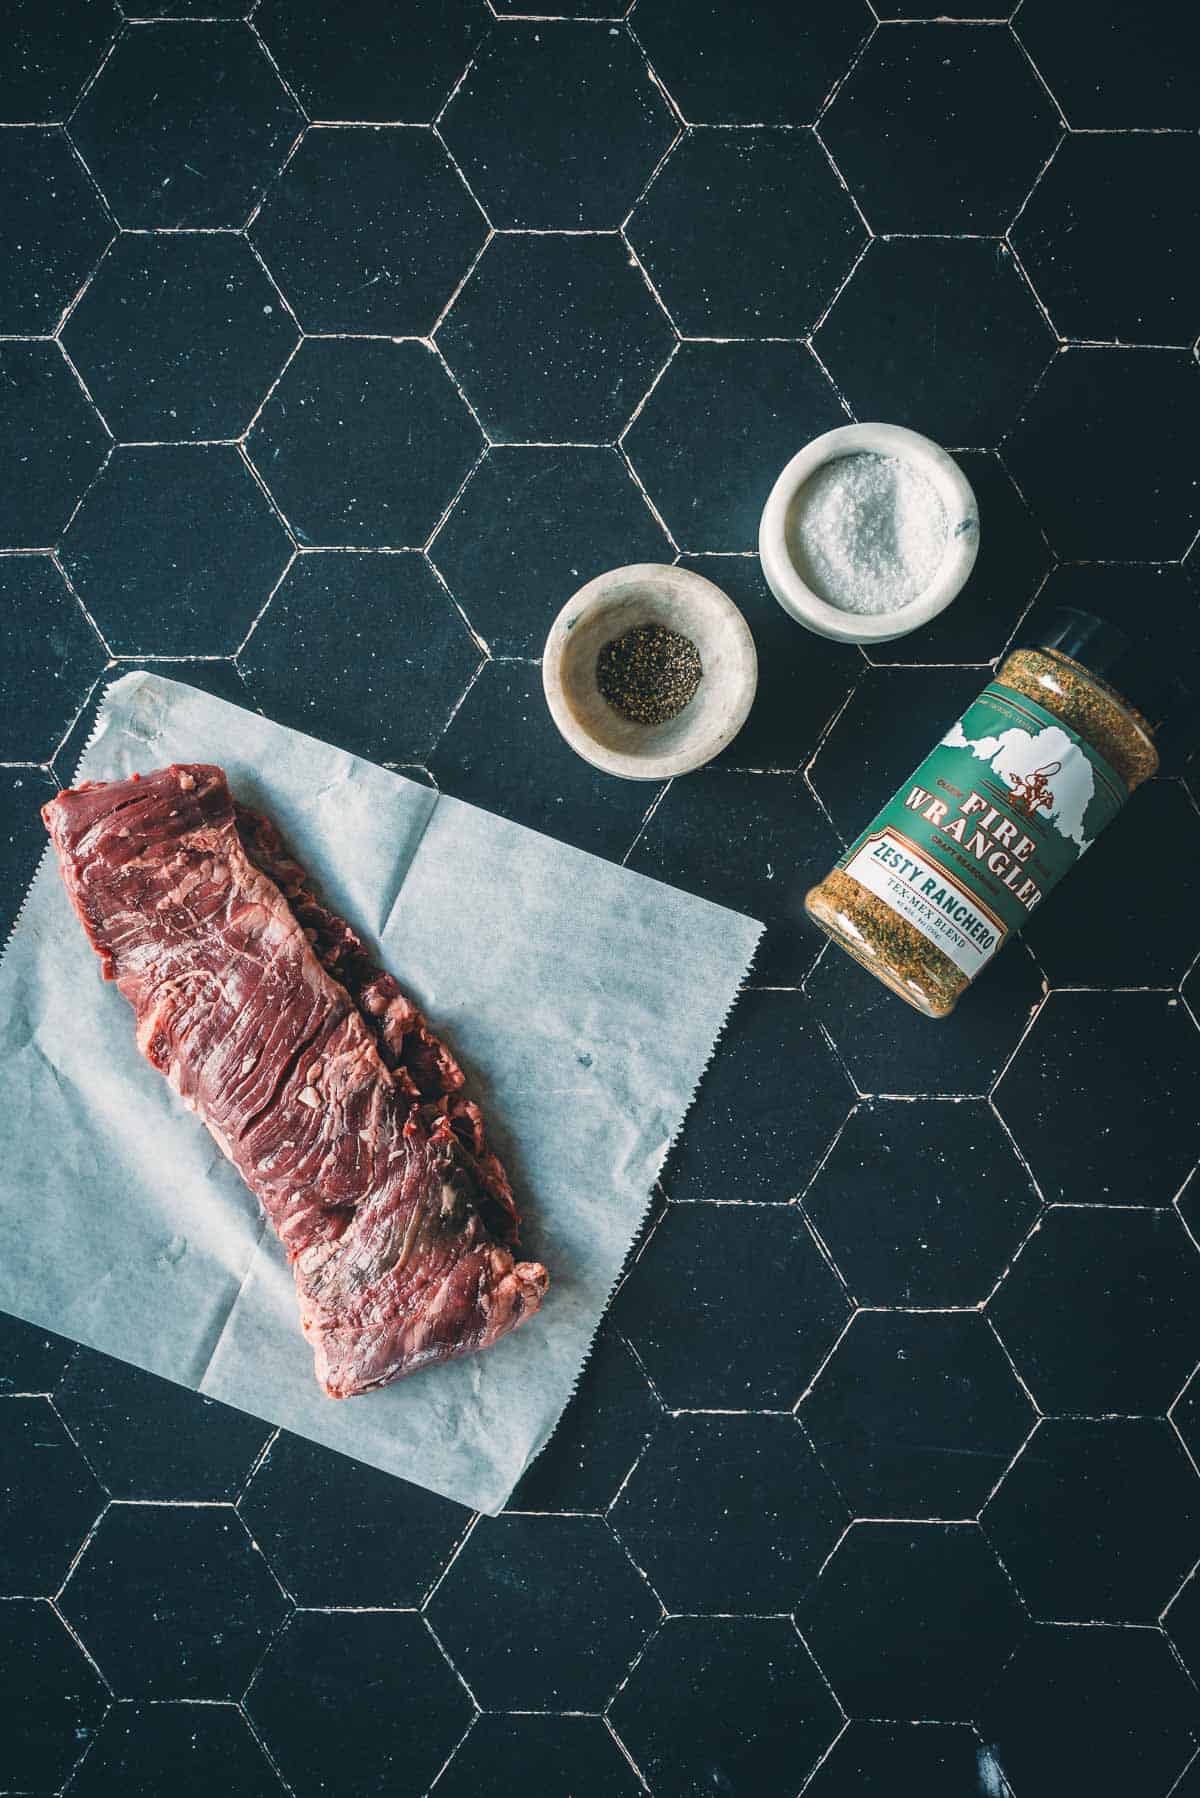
[(583, 1000)]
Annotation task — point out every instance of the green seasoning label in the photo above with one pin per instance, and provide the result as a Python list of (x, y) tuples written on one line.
[(991, 820)]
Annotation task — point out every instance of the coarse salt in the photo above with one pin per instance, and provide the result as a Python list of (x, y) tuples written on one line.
[(868, 532)]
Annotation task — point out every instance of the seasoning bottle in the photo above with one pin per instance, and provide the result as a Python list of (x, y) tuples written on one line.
[(995, 815)]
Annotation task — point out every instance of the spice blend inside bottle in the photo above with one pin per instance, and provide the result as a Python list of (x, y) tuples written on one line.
[(649, 673), (994, 816)]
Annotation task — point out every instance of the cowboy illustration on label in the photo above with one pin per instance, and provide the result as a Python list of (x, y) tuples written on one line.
[(1043, 769), (1034, 794)]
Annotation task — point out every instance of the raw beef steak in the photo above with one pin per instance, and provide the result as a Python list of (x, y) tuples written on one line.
[(319, 1079)]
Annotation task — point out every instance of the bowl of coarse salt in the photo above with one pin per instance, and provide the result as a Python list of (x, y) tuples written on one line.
[(868, 533)]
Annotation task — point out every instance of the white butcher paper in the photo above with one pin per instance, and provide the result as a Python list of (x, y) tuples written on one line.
[(583, 1000)]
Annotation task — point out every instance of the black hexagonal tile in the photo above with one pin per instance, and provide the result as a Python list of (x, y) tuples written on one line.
[(746, 233), (916, 1414), (941, 128), (145, 1750), (747, 1138), (558, 126), (731, 1307), (802, 679), (55, 228), (49, 1498), (749, 841), (502, 752), (338, 1533), (726, 1704), (394, 653), (729, 1514), (328, 445), (1097, 1521), (1095, 935), (1146, 508), (570, 1754), (1096, 1311), (916, 1055), (717, 429), (53, 1700), (186, 124), (51, 657), (1103, 237), (1112, 63), (1102, 1077), (921, 1203), (51, 442), (555, 338), (173, 1601), (148, 1438), (602, 1432), (212, 675), (51, 51), (934, 1760), (892, 722), (912, 1620), (940, 334), (1100, 1710), (31, 1359), (1012, 560), (543, 1613), (726, 62), (357, 1702), (179, 335), (175, 550), (530, 528), (363, 61), (369, 229)]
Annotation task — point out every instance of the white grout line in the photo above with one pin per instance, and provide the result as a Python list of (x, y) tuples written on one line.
[(282, 79), (459, 1675), (282, 297), (257, 1736), (474, 1719), (258, 616), (843, 78), (639, 408), (636, 262), (1038, 76), (251, 219), (465, 482)]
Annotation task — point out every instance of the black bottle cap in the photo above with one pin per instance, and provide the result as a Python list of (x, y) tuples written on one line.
[(1149, 682)]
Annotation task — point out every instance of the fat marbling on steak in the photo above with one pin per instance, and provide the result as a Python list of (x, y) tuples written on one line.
[(320, 1081)]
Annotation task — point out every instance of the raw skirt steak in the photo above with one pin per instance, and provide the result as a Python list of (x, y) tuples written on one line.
[(319, 1079)]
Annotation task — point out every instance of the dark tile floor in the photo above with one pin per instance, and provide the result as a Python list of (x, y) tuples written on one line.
[(338, 344)]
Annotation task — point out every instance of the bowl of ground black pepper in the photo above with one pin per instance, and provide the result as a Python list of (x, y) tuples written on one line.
[(649, 671)]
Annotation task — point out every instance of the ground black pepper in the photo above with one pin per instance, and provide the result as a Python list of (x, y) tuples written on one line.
[(649, 673), (919, 849)]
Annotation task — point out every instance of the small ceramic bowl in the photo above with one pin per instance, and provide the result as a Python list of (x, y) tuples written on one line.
[(649, 593), (962, 541)]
